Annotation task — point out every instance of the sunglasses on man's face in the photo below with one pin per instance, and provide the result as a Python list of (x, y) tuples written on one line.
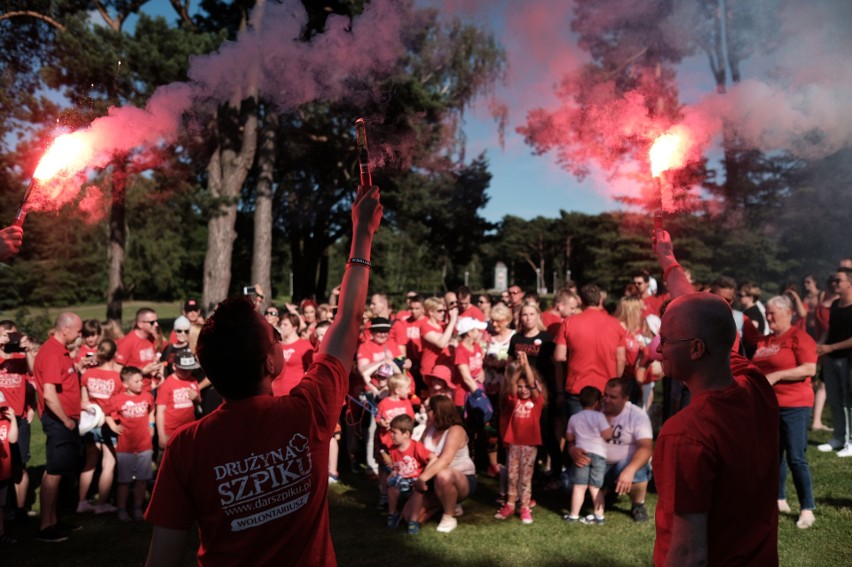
[(181, 331), (271, 313)]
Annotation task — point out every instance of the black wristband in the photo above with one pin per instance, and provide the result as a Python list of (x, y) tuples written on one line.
[(360, 262)]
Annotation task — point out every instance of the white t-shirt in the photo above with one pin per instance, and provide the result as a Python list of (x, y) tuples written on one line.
[(628, 427), (586, 428)]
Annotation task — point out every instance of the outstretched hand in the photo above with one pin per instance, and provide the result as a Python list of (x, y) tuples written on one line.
[(367, 210)]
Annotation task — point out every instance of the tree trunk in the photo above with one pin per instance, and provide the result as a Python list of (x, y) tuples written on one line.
[(227, 171), (117, 242), (261, 261), (236, 144)]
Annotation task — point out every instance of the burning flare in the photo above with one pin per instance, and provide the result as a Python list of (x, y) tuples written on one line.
[(68, 154), (669, 151)]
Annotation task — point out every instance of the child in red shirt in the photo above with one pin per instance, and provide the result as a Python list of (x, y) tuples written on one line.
[(396, 403), (177, 397), (409, 458), (132, 418), (523, 436), (8, 435)]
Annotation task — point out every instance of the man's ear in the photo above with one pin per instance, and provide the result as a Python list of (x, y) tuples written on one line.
[(697, 349)]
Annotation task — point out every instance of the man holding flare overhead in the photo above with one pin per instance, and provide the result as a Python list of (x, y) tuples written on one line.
[(716, 461), (254, 475)]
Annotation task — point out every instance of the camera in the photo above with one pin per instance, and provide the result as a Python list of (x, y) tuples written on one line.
[(250, 290), (14, 344)]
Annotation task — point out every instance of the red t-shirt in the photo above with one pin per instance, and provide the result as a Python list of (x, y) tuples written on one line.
[(13, 381), (137, 351), (85, 350), (651, 304), (411, 462), (719, 456), (297, 358), (371, 353), (793, 348), (53, 365), (412, 342), (102, 385), (473, 311), (5, 450), (431, 355), (389, 409), (592, 338), (524, 427), (551, 321), (174, 395), (473, 359), (258, 499), (133, 412)]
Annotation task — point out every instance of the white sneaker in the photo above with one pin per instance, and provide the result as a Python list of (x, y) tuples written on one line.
[(105, 508), (846, 451), (448, 524), (458, 511), (83, 506), (827, 447), (806, 520), (783, 507)]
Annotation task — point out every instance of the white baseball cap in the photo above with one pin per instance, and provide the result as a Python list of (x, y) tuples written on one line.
[(92, 417), (466, 324)]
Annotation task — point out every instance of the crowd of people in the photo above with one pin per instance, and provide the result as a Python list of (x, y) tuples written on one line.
[(440, 390)]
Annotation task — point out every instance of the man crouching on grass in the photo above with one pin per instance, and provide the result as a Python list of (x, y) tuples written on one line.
[(254, 474)]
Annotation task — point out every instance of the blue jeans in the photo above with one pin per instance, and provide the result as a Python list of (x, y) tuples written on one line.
[(794, 442), (837, 376)]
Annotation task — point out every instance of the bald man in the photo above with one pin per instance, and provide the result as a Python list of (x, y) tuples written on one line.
[(59, 406), (716, 461)]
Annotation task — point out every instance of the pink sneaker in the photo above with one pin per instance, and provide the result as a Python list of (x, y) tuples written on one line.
[(526, 516), (505, 512)]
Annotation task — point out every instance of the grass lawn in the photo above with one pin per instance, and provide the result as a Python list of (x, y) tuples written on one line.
[(361, 538)]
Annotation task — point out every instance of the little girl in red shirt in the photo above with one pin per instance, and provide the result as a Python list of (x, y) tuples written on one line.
[(525, 401)]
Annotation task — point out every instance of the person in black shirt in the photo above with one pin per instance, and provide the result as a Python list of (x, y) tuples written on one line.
[(836, 352)]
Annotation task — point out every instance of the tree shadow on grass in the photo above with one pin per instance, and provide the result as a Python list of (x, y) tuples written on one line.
[(361, 537)]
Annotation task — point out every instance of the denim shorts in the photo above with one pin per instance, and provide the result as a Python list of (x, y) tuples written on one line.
[(593, 473), (614, 469), (134, 466)]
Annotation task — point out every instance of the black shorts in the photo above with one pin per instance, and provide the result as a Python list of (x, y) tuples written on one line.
[(63, 446), (22, 455)]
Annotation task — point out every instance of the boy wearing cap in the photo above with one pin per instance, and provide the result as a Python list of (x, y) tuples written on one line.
[(177, 397)]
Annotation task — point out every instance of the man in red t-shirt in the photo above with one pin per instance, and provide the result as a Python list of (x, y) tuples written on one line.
[(59, 405), (466, 308), (137, 348), (253, 475), (651, 303), (716, 461), (592, 343)]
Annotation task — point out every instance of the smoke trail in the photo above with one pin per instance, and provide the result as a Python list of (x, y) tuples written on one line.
[(267, 58), (793, 96)]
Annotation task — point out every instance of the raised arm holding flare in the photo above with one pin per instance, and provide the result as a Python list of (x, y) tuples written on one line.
[(254, 474)]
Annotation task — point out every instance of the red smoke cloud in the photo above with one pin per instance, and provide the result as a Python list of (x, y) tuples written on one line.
[(267, 59)]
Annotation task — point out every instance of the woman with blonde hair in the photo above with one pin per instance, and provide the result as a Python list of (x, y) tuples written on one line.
[(637, 337), (435, 335), (495, 363)]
